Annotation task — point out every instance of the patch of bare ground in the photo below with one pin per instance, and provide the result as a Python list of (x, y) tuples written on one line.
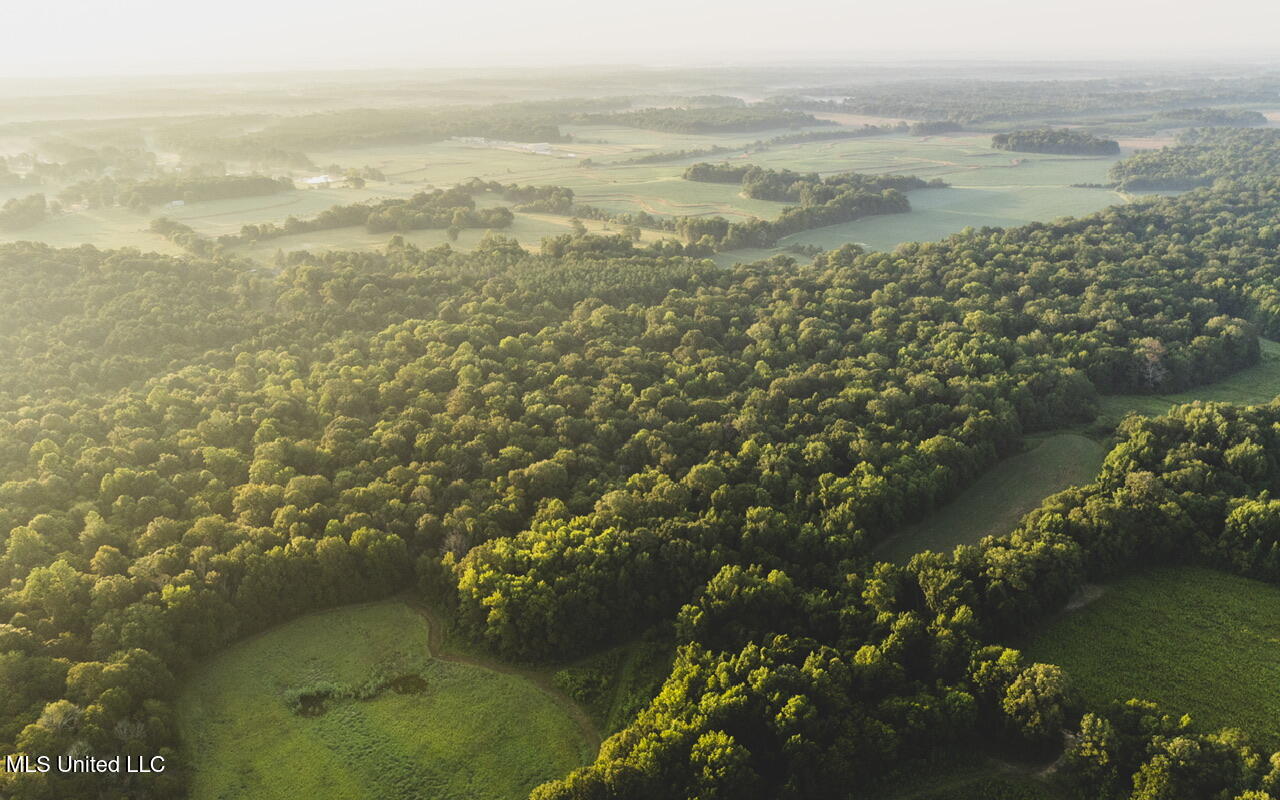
[(1084, 596)]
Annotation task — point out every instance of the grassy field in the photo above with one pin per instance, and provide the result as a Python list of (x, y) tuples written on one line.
[(989, 187), (108, 227), (1257, 384), (615, 684), (469, 734), (938, 213), (995, 502), (1194, 640)]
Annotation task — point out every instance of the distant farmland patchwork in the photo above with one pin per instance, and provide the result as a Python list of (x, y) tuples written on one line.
[(988, 188)]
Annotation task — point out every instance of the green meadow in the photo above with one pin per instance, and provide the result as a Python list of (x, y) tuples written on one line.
[(457, 731), (987, 187)]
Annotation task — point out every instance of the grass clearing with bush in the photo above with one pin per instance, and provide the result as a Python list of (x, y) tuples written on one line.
[(355, 706)]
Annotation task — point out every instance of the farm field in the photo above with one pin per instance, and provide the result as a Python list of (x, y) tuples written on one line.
[(938, 213), (122, 227), (1001, 496), (991, 188), (469, 733), (1197, 641), (105, 228), (988, 188)]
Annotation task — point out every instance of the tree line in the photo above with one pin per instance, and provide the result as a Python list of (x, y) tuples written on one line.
[(18, 213), (1200, 157), (969, 101), (142, 194), (706, 120), (1064, 141), (820, 201)]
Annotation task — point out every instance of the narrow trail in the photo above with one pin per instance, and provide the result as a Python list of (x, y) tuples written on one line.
[(436, 649)]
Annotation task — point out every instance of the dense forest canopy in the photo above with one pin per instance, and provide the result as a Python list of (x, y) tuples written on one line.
[(1226, 117), (566, 447), (1200, 157), (653, 421)]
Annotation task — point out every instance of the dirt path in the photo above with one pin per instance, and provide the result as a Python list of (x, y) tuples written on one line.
[(437, 649)]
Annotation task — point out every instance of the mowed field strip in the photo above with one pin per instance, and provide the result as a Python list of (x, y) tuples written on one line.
[(998, 499), (1257, 384)]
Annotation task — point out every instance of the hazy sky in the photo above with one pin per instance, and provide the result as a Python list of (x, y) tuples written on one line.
[(85, 37)]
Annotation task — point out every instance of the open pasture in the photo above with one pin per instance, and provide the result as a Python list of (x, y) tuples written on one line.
[(995, 502), (990, 187), (451, 731), (528, 229)]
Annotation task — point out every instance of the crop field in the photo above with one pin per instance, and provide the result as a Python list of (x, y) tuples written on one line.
[(452, 731), (1196, 641), (122, 227), (216, 217), (990, 187), (996, 501), (108, 227), (938, 213)]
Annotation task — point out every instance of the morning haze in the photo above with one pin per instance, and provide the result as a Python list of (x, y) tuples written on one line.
[(599, 401), (157, 36)]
